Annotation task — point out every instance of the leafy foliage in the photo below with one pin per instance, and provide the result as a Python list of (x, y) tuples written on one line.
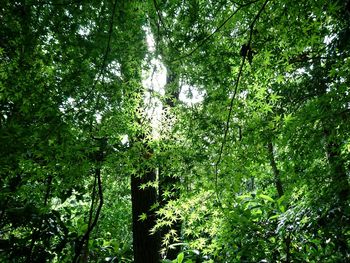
[(255, 170)]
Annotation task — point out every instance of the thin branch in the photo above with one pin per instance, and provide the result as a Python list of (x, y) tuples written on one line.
[(100, 73), (97, 215), (85, 239), (240, 72), (160, 16), (202, 42), (166, 28), (48, 190), (41, 3), (102, 68), (92, 200)]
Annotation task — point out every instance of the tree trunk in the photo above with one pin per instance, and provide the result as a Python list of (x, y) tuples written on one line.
[(280, 191), (276, 172), (146, 246)]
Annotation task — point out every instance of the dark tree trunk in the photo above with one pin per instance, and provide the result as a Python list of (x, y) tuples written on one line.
[(146, 246)]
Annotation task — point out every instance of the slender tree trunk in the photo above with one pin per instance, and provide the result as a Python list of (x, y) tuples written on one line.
[(280, 191), (276, 172), (81, 253)]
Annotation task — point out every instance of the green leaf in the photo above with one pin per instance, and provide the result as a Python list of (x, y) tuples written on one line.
[(274, 216), (143, 217), (180, 257), (266, 197)]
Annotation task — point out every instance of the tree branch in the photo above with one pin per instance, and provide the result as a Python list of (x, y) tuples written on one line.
[(240, 72), (202, 42), (41, 3), (94, 222), (103, 64)]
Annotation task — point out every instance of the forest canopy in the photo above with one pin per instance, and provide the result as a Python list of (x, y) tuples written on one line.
[(174, 131)]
